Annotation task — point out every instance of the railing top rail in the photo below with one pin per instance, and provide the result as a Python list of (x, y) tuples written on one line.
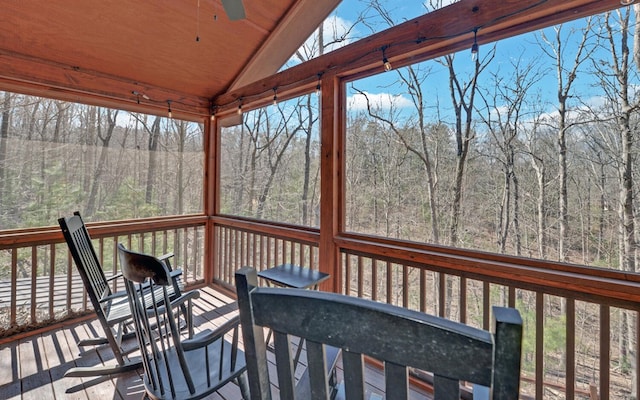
[(616, 288), (302, 234), (47, 235)]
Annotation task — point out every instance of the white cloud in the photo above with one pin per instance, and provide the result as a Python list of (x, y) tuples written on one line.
[(336, 32), (437, 4), (384, 101)]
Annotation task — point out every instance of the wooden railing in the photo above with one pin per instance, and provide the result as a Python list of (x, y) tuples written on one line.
[(244, 242), (581, 323), (39, 283)]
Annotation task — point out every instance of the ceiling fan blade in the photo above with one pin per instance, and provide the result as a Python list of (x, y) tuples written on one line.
[(234, 9)]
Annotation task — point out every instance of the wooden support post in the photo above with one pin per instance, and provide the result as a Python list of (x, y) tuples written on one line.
[(331, 182), (211, 185)]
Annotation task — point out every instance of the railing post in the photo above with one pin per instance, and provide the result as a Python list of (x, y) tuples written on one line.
[(210, 192)]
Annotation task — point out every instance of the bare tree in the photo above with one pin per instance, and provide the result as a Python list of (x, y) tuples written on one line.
[(620, 131), (535, 145), (104, 136), (504, 111), (566, 76), (4, 136), (462, 98)]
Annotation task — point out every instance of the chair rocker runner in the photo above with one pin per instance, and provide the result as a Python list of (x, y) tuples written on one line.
[(177, 368), (112, 309), (401, 338)]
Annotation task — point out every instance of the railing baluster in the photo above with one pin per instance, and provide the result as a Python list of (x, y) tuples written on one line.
[(405, 286), (254, 244), (486, 304), (512, 297), (605, 351), (292, 252), (539, 345), (423, 290), (219, 246), (347, 274), (636, 325), (360, 276), (269, 253), (263, 248), (241, 248), (14, 287), (34, 283), (374, 280), (229, 256), (570, 347), (441, 293), (389, 283), (463, 300), (185, 251), (165, 242), (52, 274)]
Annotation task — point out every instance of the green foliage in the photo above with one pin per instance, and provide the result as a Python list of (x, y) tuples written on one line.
[(554, 336)]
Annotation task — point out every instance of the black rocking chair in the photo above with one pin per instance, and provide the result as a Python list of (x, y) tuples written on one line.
[(112, 309), (177, 367)]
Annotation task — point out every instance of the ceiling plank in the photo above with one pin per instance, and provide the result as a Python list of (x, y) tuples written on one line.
[(99, 53)]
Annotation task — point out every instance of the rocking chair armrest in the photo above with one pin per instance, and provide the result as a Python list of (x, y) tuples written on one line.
[(113, 296), (175, 273), (165, 259), (185, 297), (188, 296), (207, 336), (114, 277)]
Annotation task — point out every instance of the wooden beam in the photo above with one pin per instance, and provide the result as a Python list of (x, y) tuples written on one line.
[(290, 33), (440, 32), (38, 77)]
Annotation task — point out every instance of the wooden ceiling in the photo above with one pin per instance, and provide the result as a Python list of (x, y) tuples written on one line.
[(106, 51), (137, 55)]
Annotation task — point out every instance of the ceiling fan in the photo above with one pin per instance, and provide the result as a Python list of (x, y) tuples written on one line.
[(234, 9)]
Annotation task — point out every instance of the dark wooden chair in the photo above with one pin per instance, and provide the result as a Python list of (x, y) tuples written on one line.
[(112, 309), (400, 338), (177, 367)]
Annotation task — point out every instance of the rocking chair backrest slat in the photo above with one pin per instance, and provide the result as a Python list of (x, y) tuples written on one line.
[(86, 259)]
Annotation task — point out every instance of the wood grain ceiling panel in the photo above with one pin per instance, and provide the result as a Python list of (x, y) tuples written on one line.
[(150, 45)]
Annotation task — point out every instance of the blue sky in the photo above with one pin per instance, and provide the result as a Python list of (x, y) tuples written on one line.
[(524, 47)]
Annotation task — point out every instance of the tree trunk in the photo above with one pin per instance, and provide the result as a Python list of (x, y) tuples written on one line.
[(4, 137), (540, 170), (154, 138), (102, 161)]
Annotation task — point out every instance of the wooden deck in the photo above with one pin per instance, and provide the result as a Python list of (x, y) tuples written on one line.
[(33, 367)]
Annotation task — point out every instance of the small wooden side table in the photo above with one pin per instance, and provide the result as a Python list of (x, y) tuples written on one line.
[(294, 276)]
